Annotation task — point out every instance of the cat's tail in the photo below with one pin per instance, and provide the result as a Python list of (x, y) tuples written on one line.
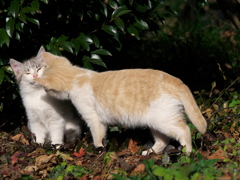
[(192, 110)]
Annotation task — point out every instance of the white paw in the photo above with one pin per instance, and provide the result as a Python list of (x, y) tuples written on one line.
[(145, 153)]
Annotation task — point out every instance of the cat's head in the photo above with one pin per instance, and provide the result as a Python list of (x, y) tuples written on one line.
[(55, 61), (57, 76), (29, 69)]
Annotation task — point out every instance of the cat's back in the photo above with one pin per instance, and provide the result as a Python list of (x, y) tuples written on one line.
[(133, 89), (134, 79)]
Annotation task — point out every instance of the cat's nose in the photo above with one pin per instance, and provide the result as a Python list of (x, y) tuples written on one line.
[(35, 75)]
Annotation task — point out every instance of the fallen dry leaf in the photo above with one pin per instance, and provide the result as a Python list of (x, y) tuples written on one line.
[(80, 153), (139, 169), (84, 177), (15, 157), (97, 178), (20, 138), (132, 146), (37, 152), (65, 157), (31, 168), (219, 154), (45, 161), (123, 152)]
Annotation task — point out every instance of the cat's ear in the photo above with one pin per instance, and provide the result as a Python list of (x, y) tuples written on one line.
[(16, 66), (41, 50)]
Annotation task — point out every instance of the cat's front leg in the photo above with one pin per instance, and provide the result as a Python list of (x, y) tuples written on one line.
[(39, 131), (98, 131), (56, 131), (57, 94), (51, 92)]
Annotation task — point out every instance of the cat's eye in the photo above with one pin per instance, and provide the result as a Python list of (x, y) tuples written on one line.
[(38, 69)]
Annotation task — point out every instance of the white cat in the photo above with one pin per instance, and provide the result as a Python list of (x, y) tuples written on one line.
[(131, 97), (48, 118)]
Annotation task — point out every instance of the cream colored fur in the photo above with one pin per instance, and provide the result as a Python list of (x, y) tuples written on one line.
[(131, 97)]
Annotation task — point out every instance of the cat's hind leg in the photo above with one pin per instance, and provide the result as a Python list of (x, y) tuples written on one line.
[(181, 132), (72, 130), (161, 141)]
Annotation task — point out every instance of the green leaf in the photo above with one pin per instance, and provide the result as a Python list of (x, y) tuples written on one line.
[(34, 21), (28, 10), (45, 1), (133, 31), (7, 69), (53, 47), (17, 36), (84, 43), (121, 2), (142, 8), (86, 38), (1, 75), (149, 4), (112, 4), (97, 17), (104, 11), (14, 8), (101, 52), (66, 45), (109, 29), (22, 17), (120, 11), (119, 23), (35, 5), (95, 40), (94, 59), (4, 38), (87, 65), (159, 171), (234, 103), (10, 27), (76, 45), (20, 26), (62, 38), (114, 129), (141, 24)]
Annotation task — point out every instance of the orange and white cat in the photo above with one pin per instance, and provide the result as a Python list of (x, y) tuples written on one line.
[(131, 98)]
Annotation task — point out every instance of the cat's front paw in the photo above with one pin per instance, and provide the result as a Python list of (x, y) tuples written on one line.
[(147, 152), (46, 89), (50, 92), (99, 150), (57, 146)]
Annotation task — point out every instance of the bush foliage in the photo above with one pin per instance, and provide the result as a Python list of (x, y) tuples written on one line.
[(188, 39), (84, 31)]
